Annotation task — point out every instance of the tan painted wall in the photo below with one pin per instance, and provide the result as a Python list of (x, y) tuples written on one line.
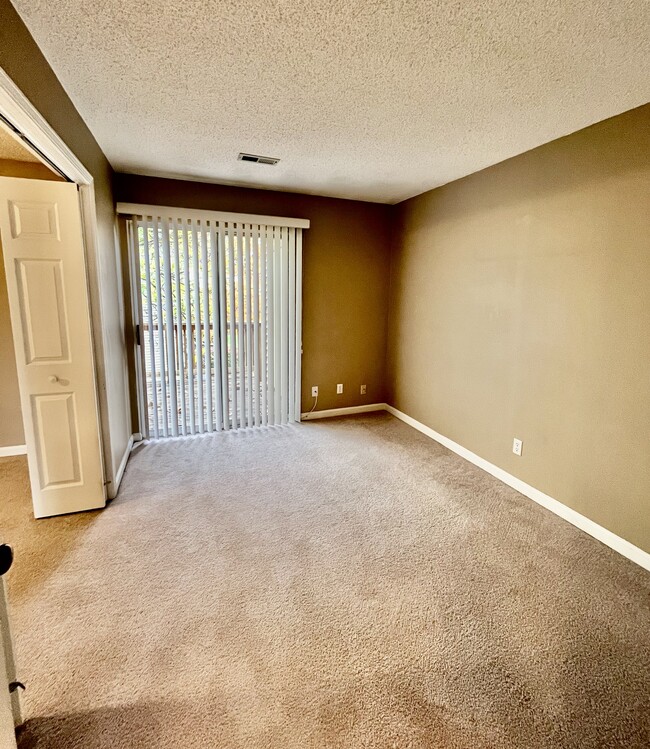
[(520, 306), (23, 61), (27, 170), (345, 277)]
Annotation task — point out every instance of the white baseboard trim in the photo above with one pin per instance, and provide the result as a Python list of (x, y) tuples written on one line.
[(114, 486), (5, 452), (628, 550), (137, 436), (331, 412)]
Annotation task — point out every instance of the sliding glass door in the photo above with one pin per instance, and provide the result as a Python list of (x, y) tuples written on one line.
[(219, 309)]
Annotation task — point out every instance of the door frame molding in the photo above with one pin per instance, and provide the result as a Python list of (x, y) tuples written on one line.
[(18, 110)]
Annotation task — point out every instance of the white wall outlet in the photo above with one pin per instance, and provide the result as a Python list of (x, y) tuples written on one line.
[(363, 390), (339, 389), (314, 391), (517, 446)]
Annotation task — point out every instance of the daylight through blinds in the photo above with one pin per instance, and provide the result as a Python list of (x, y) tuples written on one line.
[(219, 323)]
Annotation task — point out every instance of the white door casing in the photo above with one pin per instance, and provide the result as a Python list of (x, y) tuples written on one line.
[(7, 732), (41, 234), (10, 704)]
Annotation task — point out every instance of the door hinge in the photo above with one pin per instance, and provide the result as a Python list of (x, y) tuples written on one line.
[(137, 335)]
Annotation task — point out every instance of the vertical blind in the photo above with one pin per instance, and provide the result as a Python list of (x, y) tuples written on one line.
[(219, 308)]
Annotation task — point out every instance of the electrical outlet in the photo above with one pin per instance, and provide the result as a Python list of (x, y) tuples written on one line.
[(363, 390), (517, 446), (339, 389), (314, 391)]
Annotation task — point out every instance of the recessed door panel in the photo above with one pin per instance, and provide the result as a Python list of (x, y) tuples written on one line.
[(34, 220), (42, 309), (57, 439)]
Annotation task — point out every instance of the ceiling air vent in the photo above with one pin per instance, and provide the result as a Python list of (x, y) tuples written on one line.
[(258, 159)]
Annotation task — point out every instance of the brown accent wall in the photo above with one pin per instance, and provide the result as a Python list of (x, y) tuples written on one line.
[(25, 64), (345, 277), (520, 307)]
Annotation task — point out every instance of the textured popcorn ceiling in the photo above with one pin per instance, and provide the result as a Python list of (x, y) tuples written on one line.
[(360, 99), (11, 148)]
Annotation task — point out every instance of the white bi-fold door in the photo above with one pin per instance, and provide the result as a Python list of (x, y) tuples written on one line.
[(42, 244), (219, 309)]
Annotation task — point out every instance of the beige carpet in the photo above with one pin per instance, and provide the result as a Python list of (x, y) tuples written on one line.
[(340, 584)]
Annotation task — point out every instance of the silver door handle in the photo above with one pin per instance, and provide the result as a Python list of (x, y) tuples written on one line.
[(53, 379)]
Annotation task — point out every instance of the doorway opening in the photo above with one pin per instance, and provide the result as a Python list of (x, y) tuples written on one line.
[(16, 160), (34, 218), (46, 284)]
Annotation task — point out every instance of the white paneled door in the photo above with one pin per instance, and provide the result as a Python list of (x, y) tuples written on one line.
[(219, 309), (42, 244)]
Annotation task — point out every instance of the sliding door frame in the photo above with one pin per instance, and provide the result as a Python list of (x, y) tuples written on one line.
[(142, 209), (128, 212)]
